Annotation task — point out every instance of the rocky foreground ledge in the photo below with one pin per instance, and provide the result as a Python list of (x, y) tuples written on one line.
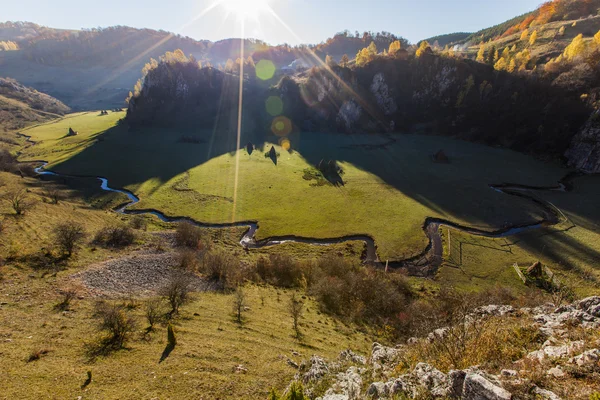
[(353, 376)]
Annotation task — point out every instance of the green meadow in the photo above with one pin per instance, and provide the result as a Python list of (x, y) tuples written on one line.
[(388, 191)]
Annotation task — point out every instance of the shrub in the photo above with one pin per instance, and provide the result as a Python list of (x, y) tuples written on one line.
[(65, 304), (19, 201), (239, 304), (189, 260), (280, 270), (153, 312), (221, 267), (37, 354), (139, 222), (116, 323), (67, 235), (115, 236), (188, 235), (171, 339), (54, 195), (296, 308), (177, 291)]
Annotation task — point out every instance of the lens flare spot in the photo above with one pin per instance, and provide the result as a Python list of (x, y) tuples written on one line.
[(285, 144), (265, 70), (281, 126), (274, 106)]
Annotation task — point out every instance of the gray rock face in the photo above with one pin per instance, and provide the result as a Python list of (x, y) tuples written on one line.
[(456, 381), (317, 369), (554, 352), (348, 384), (433, 380), (382, 355), (494, 310), (545, 394), (476, 387), (350, 356), (584, 153), (377, 390), (589, 357)]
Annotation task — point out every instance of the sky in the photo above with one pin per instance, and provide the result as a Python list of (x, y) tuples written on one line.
[(291, 21)]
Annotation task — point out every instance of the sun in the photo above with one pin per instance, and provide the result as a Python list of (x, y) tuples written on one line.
[(246, 8)]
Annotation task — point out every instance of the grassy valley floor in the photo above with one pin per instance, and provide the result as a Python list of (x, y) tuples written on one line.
[(387, 193)]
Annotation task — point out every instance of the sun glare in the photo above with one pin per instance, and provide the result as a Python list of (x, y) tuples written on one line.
[(246, 8)]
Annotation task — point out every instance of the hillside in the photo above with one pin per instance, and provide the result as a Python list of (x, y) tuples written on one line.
[(21, 106), (387, 94)]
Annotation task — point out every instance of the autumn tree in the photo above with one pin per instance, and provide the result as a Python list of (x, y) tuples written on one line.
[(533, 38), (524, 35), (423, 48), (501, 64), (561, 31), (576, 48), (491, 56), (344, 61), (481, 54), (372, 49), (511, 66), (330, 61), (597, 38), (394, 47)]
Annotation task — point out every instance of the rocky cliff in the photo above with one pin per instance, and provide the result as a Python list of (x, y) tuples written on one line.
[(565, 364), (584, 153)]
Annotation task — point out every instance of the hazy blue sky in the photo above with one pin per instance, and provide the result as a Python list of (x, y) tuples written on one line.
[(311, 21)]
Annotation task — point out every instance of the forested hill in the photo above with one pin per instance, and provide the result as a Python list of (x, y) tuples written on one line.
[(393, 92), (21, 106)]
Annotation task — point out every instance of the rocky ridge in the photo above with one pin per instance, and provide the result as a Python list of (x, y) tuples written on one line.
[(353, 377)]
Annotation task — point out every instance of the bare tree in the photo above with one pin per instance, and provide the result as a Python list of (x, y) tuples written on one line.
[(177, 291), (67, 235), (296, 308), (19, 201), (153, 312), (116, 323), (239, 304), (54, 195)]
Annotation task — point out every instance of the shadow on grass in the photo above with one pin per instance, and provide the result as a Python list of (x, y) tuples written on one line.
[(102, 348), (166, 352)]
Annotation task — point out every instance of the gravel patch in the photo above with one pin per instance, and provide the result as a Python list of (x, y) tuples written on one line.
[(140, 274)]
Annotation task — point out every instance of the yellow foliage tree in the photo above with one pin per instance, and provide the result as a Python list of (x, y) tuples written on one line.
[(506, 53), (524, 34), (514, 48), (363, 57), (372, 49), (533, 38), (576, 48), (501, 65), (481, 54), (423, 47), (561, 31), (597, 38), (511, 66), (394, 47)]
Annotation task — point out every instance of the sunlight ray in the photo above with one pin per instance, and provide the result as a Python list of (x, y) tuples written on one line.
[(347, 87), (129, 63), (239, 122)]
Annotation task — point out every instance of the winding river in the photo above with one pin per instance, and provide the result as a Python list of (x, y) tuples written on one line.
[(423, 264)]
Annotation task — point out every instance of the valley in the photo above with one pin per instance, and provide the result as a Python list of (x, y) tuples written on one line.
[(367, 216)]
